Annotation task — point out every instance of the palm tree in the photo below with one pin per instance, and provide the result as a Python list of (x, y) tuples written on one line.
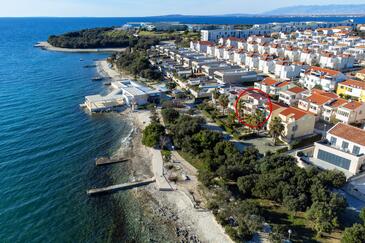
[(224, 101), (215, 96), (276, 129)]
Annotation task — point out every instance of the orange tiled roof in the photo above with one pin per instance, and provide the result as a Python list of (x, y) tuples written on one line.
[(362, 71), (318, 99), (352, 105), (269, 81), (324, 70), (350, 133), (296, 90), (276, 106), (354, 83), (338, 102), (282, 84), (293, 113)]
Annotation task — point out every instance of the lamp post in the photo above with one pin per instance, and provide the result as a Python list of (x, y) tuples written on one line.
[(290, 232)]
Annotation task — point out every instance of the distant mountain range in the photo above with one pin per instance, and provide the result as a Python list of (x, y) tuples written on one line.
[(309, 10)]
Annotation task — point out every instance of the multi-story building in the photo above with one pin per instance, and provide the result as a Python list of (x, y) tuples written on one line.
[(352, 112), (292, 95), (235, 76), (315, 102), (297, 123), (272, 86), (343, 149), (354, 89), (326, 78)]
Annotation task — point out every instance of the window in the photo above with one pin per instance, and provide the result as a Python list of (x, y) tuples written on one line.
[(334, 159), (345, 145), (333, 140), (356, 150)]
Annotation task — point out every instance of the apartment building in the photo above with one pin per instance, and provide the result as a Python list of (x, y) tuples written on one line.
[(272, 86), (326, 78), (292, 95)]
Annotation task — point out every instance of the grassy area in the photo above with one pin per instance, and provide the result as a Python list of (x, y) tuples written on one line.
[(164, 34), (198, 164), (296, 221), (116, 33)]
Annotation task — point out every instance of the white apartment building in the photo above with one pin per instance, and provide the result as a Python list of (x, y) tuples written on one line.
[(326, 78), (292, 95)]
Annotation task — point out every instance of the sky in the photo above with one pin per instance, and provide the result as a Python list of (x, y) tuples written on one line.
[(131, 8)]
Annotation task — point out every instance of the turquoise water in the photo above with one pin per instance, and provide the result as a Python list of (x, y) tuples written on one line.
[(48, 144)]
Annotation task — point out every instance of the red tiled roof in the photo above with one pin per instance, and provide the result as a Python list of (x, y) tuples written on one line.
[(338, 102), (269, 81), (296, 90), (293, 113), (352, 105), (283, 84), (324, 93), (350, 133), (324, 70), (206, 43), (354, 83), (318, 99)]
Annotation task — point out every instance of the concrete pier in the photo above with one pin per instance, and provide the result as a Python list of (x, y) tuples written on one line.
[(108, 161), (119, 187)]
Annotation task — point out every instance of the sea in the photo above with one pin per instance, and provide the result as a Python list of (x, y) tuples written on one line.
[(48, 145)]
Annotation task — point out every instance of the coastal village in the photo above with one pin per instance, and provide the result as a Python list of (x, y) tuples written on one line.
[(300, 87)]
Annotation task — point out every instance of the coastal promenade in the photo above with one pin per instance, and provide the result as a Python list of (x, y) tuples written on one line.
[(158, 171), (45, 45)]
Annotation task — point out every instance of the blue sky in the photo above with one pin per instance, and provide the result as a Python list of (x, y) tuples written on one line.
[(127, 8)]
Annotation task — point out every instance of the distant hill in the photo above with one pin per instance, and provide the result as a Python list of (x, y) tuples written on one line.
[(341, 9)]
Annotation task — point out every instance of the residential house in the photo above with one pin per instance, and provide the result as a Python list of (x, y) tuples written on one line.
[(343, 149), (315, 102), (330, 109), (354, 89), (297, 123), (292, 95), (273, 87), (361, 74), (352, 112)]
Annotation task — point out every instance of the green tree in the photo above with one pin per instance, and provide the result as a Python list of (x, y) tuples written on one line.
[(170, 115), (354, 234), (332, 178), (152, 134), (362, 215), (276, 129)]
